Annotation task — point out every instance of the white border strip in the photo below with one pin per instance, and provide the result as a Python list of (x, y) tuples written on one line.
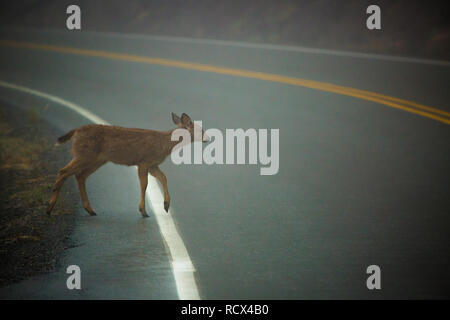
[(182, 266), (265, 46)]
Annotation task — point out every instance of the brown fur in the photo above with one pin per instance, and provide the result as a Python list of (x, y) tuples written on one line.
[(94, 145)]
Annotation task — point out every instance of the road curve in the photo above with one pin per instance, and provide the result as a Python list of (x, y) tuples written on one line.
[(363, 173)]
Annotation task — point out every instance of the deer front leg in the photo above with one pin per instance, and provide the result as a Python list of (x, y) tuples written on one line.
[(143, 179), (158, 174)]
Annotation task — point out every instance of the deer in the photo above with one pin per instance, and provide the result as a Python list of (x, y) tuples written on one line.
[(94, 145)]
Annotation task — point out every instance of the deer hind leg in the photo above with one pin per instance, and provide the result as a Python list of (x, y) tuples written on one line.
[(158, 174), (71, 168), (143, 179), (81, 180)]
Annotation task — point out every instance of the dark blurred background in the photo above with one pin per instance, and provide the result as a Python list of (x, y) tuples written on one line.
[(413, 28)]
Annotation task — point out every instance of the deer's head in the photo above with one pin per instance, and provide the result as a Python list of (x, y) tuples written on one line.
[(196, 131)]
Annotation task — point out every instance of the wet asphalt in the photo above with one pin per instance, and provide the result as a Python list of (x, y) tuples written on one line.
[(359, 183)]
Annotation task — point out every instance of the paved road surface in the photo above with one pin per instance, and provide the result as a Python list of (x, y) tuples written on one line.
[(360, 182)]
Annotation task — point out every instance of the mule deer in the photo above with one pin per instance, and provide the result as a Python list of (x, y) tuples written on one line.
[(94, 145)]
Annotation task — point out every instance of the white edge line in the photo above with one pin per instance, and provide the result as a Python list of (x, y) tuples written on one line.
[(182, 266), (291, 48)]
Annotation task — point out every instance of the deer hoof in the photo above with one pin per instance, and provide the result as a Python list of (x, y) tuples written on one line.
[(144, 213), (90, 211), (49, 209), (166, 206)]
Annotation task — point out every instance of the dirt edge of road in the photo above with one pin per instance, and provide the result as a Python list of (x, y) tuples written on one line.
[(31, 242)]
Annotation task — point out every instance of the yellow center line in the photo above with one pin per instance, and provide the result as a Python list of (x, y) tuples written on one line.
[(385, 97), (405, 105)]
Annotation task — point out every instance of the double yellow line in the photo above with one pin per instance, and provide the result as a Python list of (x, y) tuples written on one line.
[(405, 105)]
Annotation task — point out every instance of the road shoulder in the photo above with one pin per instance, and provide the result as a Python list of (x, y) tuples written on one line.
[(31, 242)]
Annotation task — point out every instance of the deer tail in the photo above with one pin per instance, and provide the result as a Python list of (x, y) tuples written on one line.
[(65, 137)]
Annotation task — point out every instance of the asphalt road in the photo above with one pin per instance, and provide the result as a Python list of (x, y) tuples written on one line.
[(359, 183)]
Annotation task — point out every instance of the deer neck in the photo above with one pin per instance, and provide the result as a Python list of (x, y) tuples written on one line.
[(167, 144)]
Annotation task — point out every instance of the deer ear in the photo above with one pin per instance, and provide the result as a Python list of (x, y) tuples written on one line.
[(176, 119), (186, 120)]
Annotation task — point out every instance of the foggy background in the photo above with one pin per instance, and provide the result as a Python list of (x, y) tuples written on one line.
[(413, 28)]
